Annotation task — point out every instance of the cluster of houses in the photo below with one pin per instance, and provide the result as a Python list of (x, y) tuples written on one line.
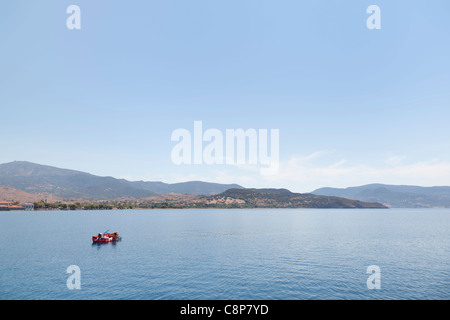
[(9, 206)]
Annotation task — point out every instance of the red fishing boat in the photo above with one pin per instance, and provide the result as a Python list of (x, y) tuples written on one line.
[(106, 237)]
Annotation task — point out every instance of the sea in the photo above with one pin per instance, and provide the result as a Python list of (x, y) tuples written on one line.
[(227, 254)]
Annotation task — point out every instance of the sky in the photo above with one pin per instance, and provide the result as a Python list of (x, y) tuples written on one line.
[(352, 105)]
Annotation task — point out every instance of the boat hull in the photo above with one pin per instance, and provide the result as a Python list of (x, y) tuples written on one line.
[(107, 237)]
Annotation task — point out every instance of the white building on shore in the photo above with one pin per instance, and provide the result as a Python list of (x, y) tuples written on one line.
[(8, 206)]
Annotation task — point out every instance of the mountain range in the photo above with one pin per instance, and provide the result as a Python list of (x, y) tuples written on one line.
[(395, 196), (65, 184), (26, 181)]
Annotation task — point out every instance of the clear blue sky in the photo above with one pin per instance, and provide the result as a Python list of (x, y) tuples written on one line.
[(353, 105)]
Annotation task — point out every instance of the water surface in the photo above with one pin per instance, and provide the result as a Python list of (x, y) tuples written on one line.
[(227, 254)]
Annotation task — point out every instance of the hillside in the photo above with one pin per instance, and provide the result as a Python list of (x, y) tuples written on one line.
[(70, 184), (11, 194), (233, 198), (65, 184), (282, 198), (396, 196)]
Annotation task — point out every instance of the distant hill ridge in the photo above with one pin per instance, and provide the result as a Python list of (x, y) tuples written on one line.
[(396, 196), (71, 184)]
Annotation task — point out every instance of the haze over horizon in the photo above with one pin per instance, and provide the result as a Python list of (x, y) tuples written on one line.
[(353, 106)]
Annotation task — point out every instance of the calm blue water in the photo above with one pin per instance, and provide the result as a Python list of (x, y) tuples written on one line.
[(227, 254)]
